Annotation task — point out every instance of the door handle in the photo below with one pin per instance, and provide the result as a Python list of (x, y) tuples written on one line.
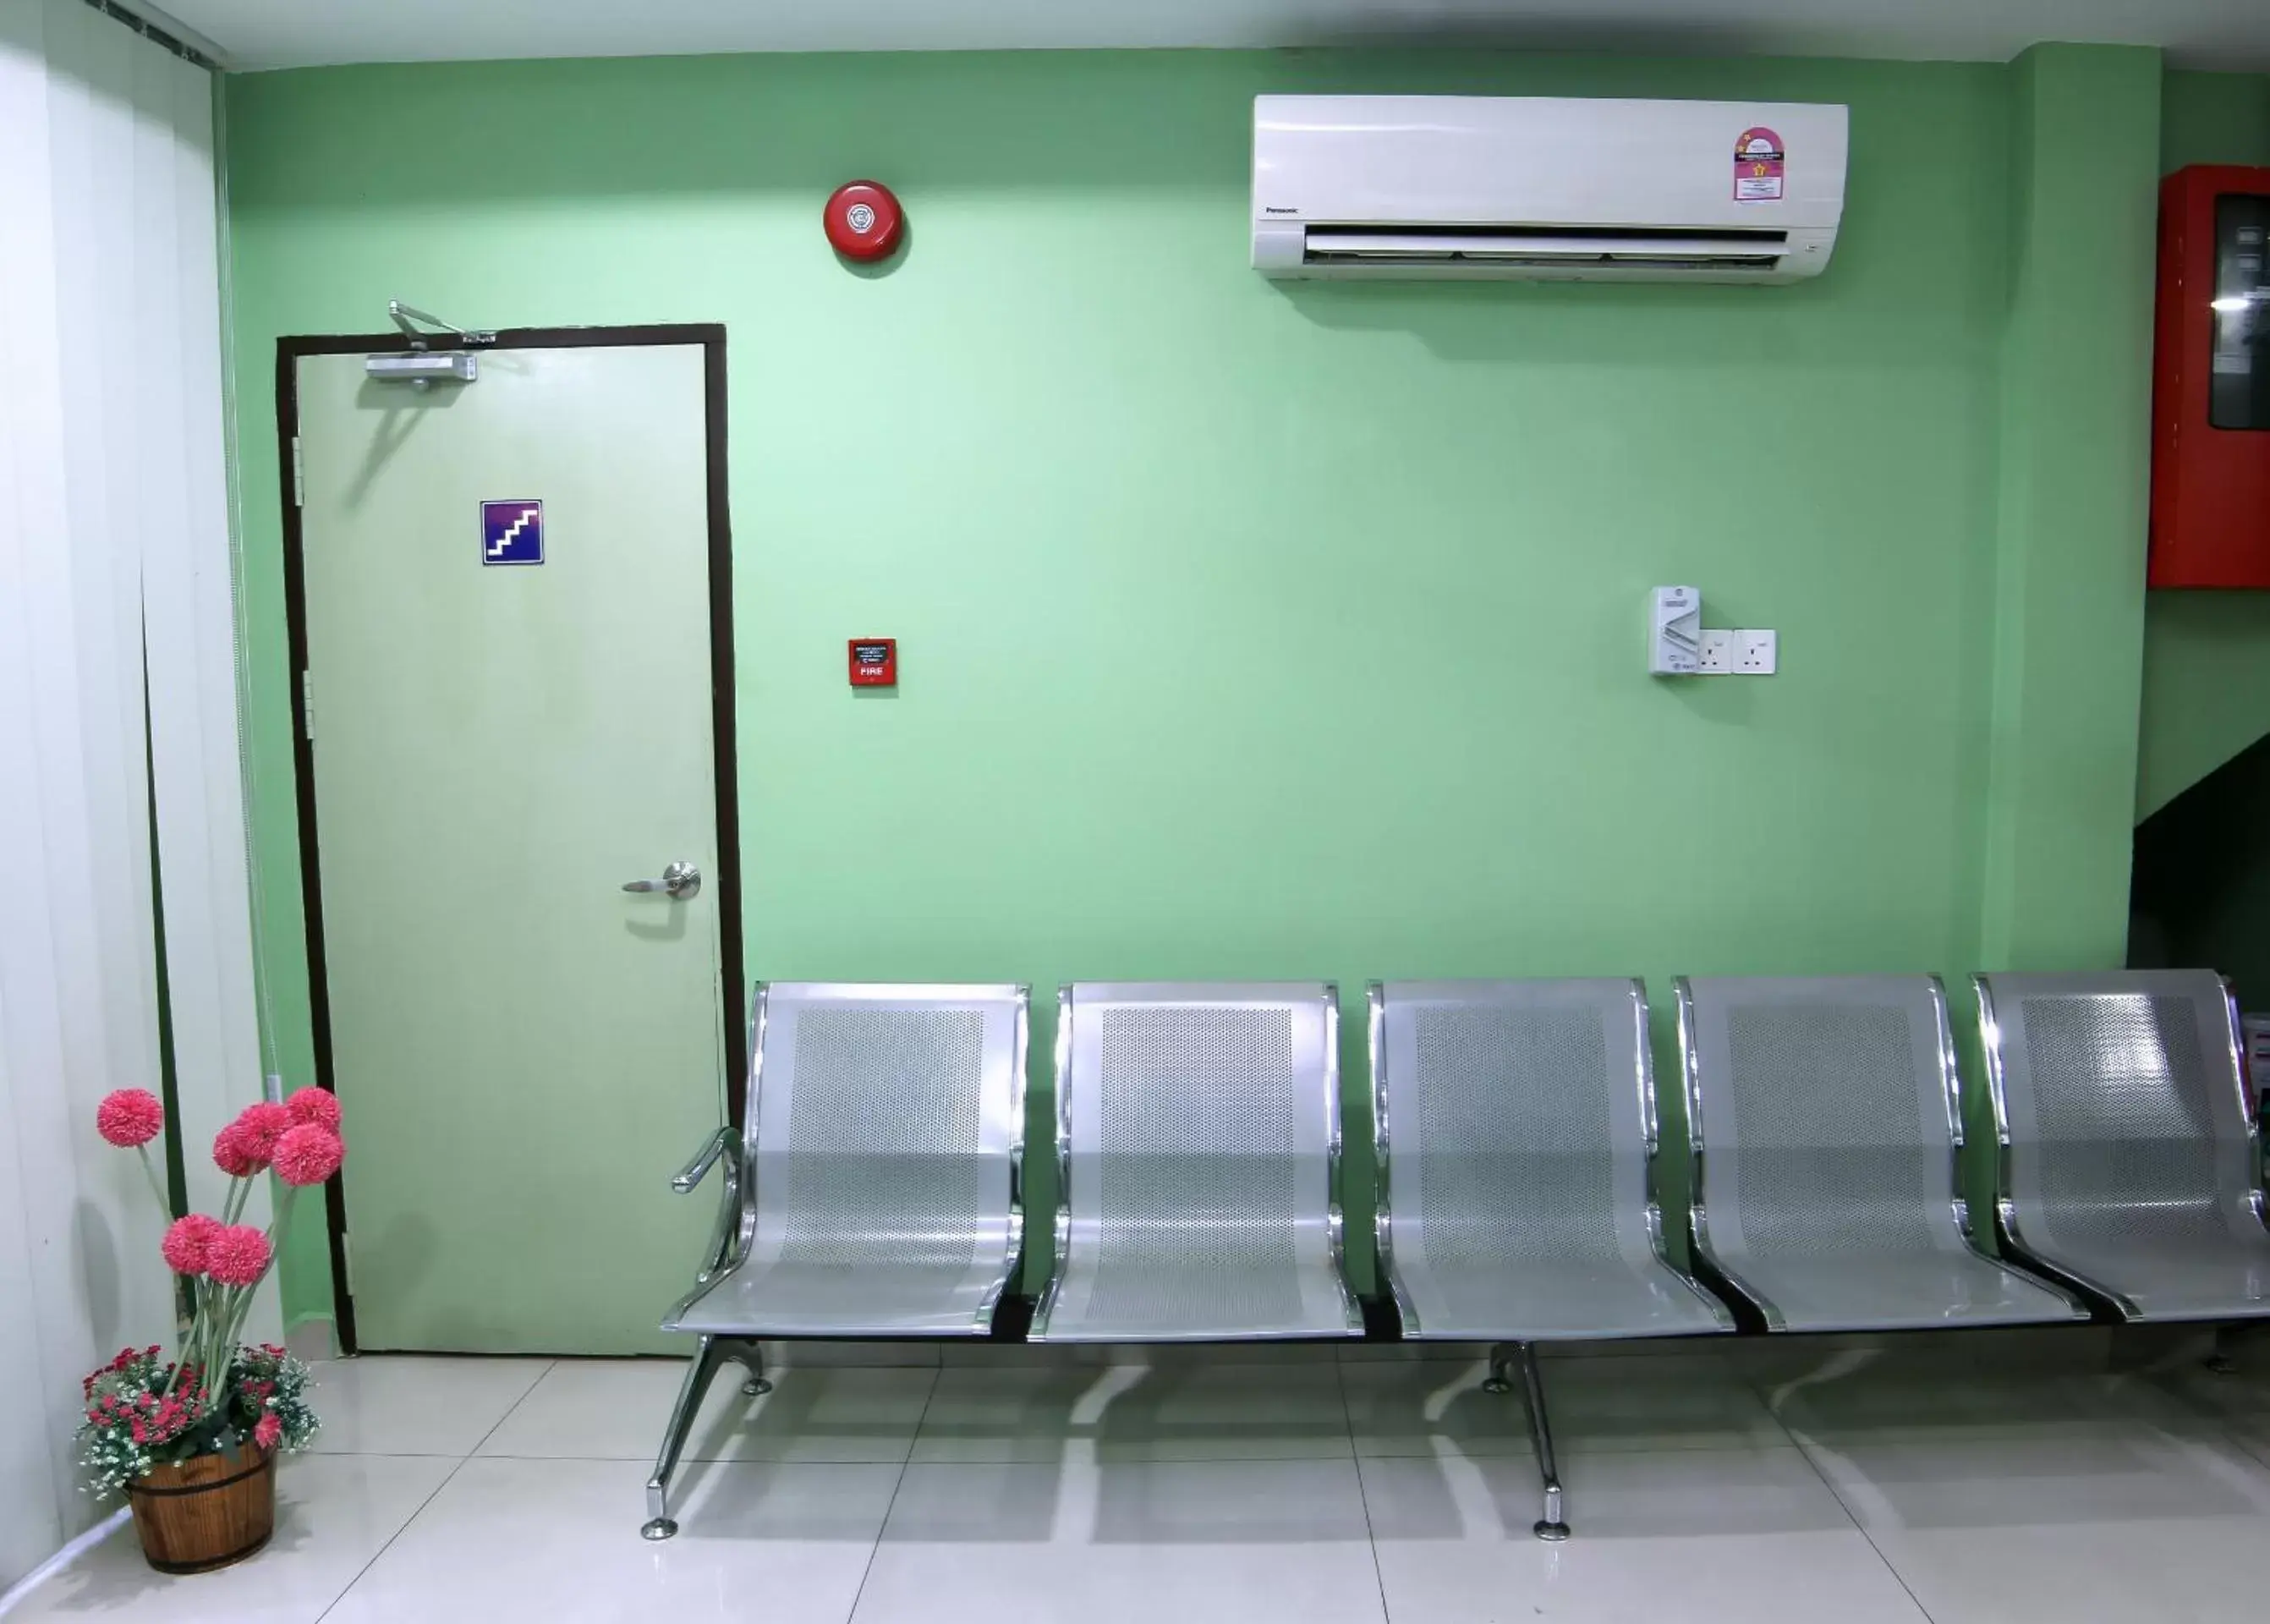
[(680, 880)]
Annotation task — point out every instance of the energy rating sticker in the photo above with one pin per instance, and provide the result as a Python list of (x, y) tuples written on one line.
[(1758, 161)]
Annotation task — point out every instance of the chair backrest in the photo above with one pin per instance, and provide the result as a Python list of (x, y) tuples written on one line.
[(1198, 1133), (2120, 1101), (1515, 1121), (1825, 1114), (884, 1125)]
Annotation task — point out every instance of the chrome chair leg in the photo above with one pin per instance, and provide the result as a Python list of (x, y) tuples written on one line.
[(2229, 1340), (1551, 1526), (699, 1375), (752, 1359), (2218, 1358), (1501, 1361)]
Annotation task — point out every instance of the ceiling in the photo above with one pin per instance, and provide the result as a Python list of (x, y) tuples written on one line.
[(279, 33)]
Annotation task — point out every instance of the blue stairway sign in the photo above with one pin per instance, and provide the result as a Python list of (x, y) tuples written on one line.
[(512, 532)]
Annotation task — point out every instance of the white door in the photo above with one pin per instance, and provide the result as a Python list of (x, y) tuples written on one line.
[(506, 588)]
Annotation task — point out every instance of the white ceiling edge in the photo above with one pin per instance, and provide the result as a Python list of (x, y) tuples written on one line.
[(2203, 60), (2231, 35)]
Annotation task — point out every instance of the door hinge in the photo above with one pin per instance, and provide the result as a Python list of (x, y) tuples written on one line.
[(298, 475), (308, 704)]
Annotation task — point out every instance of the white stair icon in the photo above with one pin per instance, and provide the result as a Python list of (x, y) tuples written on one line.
[(503, 543)]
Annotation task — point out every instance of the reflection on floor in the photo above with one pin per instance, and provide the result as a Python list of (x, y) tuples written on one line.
[(1945, 1479)]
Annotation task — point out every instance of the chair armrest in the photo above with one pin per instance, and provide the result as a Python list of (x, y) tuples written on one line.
[(695, 1171), (722, 1149)]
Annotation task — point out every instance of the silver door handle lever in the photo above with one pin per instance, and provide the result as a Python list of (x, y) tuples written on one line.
[(680, 880)]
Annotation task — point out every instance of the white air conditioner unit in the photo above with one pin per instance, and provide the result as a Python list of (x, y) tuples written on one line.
[(1539, 188)]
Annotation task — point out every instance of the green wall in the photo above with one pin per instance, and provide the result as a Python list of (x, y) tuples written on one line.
[(1256, 630), (2207, 655), (2072, 482)]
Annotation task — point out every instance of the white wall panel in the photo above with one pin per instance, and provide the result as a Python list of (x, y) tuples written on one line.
[(114, 563), (188, 621)]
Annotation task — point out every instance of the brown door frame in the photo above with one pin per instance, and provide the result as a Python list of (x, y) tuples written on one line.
[(711, 338)]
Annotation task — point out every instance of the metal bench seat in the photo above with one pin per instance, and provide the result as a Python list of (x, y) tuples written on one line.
[(1897, 1291), (1199, 1140), (876, 1194), (954, 1298), (1825, 1118), (1516, 1134), (1540, 1300), (2129, 1152)]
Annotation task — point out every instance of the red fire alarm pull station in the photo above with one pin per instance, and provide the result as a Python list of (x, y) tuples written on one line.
[(2211, 381), (874, 662)]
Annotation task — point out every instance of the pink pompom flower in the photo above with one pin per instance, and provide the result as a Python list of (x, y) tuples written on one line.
[(229, 1153), (270, 1432), (318, 1106), (258, 1127), (308, 1154), (130, 1117), (185, 1242), (237, 1255)]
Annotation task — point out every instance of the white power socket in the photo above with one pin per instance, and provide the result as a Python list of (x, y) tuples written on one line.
[(1733, 653)]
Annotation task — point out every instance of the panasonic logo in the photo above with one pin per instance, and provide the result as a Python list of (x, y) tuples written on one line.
[(1271, 209)]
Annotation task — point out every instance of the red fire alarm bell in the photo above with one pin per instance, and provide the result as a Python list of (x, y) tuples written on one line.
[(874, 662), (864, 220), (2211, 381)]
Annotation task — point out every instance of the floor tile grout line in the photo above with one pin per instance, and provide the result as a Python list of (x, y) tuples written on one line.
[(325, 1453), (1035, 1458), (898, 1483), (2239, 1441), (451, 1477), (1370, 1535), (1851, 1516), (645, 1457), (448, 1478), (1891, 1566), (513, 1408)]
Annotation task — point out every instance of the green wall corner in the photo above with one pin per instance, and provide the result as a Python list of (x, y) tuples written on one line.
[(2072, 493)]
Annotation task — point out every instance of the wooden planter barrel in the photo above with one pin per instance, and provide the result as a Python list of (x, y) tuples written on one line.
[(206, 1512)]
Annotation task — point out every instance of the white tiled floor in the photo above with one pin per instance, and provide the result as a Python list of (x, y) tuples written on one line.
[(608, 1409), (1704, 1484)]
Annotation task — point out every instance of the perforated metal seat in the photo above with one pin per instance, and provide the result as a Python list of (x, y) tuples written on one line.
[(1515, 1127), (1827, 1195), (1517, 1131), (886, 1127), (877, 1193), (1198, 1137), (2132, 1162)]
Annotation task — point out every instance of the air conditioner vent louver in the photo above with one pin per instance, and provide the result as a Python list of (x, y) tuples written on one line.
[(1559, 248)]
